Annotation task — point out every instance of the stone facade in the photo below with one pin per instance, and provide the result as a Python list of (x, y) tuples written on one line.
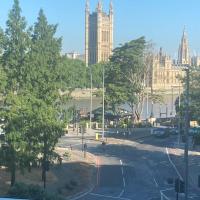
[(163, 74), (183, 52), (98, 34), (75, 56)]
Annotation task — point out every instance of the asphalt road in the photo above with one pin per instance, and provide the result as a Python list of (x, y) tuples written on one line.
[(135, 170)]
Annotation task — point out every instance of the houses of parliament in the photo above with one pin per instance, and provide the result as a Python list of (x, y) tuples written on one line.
[(164, 73)]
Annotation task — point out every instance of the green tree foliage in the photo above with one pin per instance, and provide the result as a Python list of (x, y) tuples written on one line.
[(73, 74), (15, 48), (125, 75), (44, 82), (194, 93), (3, 76), (97, 74), (43, 60), (32, 104)]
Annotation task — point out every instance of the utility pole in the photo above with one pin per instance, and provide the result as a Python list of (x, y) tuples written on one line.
[(147, 105), (152, 115), (103, 109), (179, 115), (90, 97), (186, 132), (172, 103)]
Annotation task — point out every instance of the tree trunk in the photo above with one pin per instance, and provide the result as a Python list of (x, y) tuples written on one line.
[(44, 175), (133, 114), (44, 162), (13, 170), (29, 167)]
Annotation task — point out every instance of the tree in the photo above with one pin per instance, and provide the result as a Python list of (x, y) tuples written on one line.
[(44, 81), (15, 47), (32, 102), (126, 75)]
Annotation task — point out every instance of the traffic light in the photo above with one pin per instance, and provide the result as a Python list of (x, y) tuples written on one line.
[(179, 186)]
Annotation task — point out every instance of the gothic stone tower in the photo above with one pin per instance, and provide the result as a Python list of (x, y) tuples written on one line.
[(98, 34), (183, 53)]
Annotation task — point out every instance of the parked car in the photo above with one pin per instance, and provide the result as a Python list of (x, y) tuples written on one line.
[(174, 131), (161, 132), (194, 131)]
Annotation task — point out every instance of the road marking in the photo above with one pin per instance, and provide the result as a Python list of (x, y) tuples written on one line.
[(122, 192), (111, 197), (173, 164), (84, 194), (124, 183), (98, 169), (155, 182)]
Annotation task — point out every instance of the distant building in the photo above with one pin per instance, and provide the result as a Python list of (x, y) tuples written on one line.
[(165, 73), (195, 61), (183, 53), (98, 34), (74, 55)]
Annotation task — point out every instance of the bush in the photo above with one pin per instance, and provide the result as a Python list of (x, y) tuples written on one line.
[(35, 192), (19, 190), (143, 125)]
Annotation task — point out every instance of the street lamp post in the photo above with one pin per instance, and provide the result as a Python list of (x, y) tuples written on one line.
[(186, 132), (147, 114), (90, 97), (103, 109), (179, 114), (172, 103)]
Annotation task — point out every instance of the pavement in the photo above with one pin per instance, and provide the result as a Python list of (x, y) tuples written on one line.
[(131, 170)]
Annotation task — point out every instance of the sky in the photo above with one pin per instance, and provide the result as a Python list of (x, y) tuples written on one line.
[(160, 21)]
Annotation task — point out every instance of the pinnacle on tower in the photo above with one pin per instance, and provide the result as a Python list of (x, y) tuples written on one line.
[(111, 6), (99, 6), (183, 54), (87, 6)]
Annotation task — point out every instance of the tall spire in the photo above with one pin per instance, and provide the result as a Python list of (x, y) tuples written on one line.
[(183, 54), (111, 7), (99, 6), (87, 6)]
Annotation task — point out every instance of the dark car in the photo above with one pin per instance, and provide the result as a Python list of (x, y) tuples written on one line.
[(161, 132), (174, 131)]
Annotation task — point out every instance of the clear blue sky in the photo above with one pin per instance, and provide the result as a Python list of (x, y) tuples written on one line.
[(161, 21)]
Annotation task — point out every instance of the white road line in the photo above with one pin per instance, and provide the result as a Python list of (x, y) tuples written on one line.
[(122, 192), (111, 197), (122, 171), (163, 195), (173, 164), (155, 182), (124, 182), (84, 194)]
